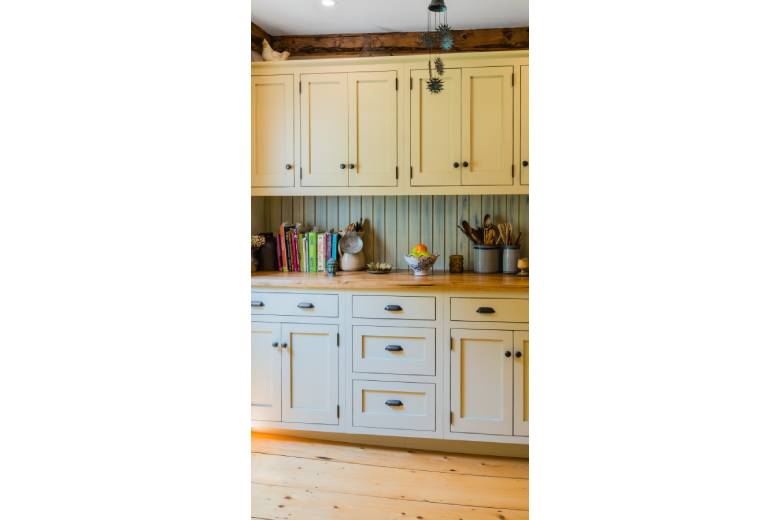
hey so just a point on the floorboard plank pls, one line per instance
(390, 457)
(283, 503)
(393, 483)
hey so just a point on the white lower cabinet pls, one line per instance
(266, 372)
(401, 406)
(521, 382)
(295, 373)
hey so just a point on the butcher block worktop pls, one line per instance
(390, 281)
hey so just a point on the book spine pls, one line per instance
(283, 239)
(294, 247)
(327, 246)
(301, 252)
(334, 238)
(312, 252)
(320, 252)
(278, 253)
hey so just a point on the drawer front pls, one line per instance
(489, 309)
(394, 350)
(394, 307)
(400, 406)
(295, 304)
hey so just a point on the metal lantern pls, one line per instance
(437, 6)
(439, 34)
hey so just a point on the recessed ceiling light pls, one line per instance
(328, 3)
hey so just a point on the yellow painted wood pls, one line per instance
(373, 128)
(273, 122)
(324, 129)
(487, 125)
(455, 59)
(438, 462)
(435, 130)
(524, 129)
(391, 483)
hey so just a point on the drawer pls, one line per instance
(295, 304)
(394, 350)
(489, 309)
(400, 406)
(394, 307)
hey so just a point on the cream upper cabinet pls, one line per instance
(487, 126)
(524, 150)
(273, 118)
(266, 372)
(435, 131)
(521, 383)
(373, 128)
(324, 130)
(481, 366)
(310, 386)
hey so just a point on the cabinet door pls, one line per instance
(310, 387)
(521, 382)
(481, 381)
(524, 150)
(487, 126)
(324, 124)
(266, 372)
(272, 131)
(435, 131)
(373, 128)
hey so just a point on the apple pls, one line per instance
(420, 250)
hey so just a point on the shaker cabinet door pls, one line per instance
(373, 128)
(521, 383)
(266, 372)
(310, 387)
(273, 118)
(435, 131)
(487, 126)
(324, 129)
(481, 365)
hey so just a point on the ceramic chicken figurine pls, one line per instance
(271, 55)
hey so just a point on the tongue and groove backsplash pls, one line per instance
(396, 223)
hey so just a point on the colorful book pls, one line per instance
(283, 240)
(294, 247)
(301, 253)
(327, 246)
(312, 245)
(278, 253)
(320, 252)
(334, 238)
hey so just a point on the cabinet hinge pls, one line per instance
(396, 173)
(411, 83)
(396, 83)
(513, 171)
(411, 172)
(300, 87)
(452, 419)
(513, 79)
(301, 174)
(338, 411)
(338, 339)
(452, 343)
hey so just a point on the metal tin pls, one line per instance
(487, 259)
(509, 257)
(456, 263)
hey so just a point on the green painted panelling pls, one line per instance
(396, 223)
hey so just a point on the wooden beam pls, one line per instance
(390, 44)
(258, 34)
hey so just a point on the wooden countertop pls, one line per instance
(394, 280)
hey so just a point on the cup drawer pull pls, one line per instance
(256, 303)
(486, 310)
(305, 305)
(393, 307)
(393, 402)
(394, 348)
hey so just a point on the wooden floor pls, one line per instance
(305, 479)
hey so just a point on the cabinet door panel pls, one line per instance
(521, 383)
(324, 130)
(310, 388)
(435, 131)
(524, 150)
(266, 372)
(481, 381)
(373, 128)
(487, 126)
(273, 131)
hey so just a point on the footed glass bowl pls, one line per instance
(421, 265)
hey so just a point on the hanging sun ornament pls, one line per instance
(439, 34)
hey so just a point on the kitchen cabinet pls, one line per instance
(266, 372)
(273, 121)
(521, 383)
(310, 386)
(481, 379)
(524, 148)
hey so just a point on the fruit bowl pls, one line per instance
(421, 265)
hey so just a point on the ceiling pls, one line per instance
(280, 17)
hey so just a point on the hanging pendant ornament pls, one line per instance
(439, 34)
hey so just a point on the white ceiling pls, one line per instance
(280, 17)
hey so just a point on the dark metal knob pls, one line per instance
(256, 303)
(393, 402)
(525, 163)
(393, 307)
(486, 310)
(518, 354)
(342, 166)
(288, 166)
(507, 354)
(305, 305)
(275, 344)
(456, 165)
(394, 348)
(351, 166)
(465, 164)
(284, 345)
